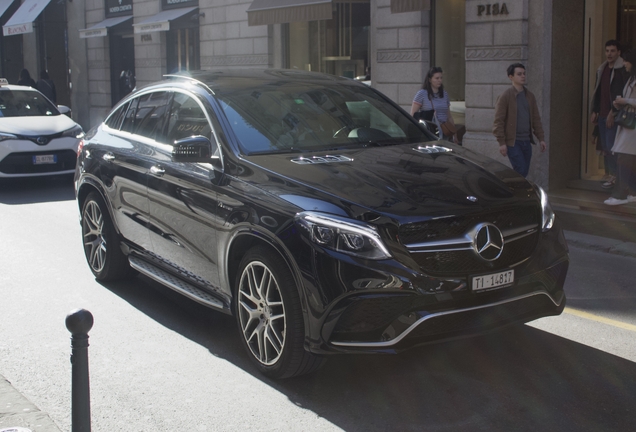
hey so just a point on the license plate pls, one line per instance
(44, 159)
(493, 280)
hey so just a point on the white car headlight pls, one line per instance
(75, 132)
(547, 214)
(343, 235)
(7, 136)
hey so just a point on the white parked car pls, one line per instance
(36, 138)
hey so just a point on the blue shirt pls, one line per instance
(440, 105)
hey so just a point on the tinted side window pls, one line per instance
(129, 118)
(151, 113)
(115, 119)
(186, 119)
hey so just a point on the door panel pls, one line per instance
(182, 200)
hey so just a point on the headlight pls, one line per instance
(547, 214)
(343, 235)
(7, 136)
(75, 132)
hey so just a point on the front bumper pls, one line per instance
(421, 311)
(16, 157)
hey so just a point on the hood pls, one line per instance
(400, 181)
(36, 125)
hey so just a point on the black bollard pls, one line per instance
(79, 322)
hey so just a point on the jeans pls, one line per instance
(520, 155)
(608, 136)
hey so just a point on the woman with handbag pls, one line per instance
(625, 144)
(432, 103)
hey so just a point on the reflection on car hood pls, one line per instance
(398, 180)
(36, 125)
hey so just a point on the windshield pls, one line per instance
(295, 117)
(25, 103)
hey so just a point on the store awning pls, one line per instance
(101, 29)
(161, 21)
(263, 12)
(22, 20)
(4, 5)
(399, 6)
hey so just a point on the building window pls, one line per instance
(339, 46)
(183, 49)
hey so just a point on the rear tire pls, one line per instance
(101, 242)
(269, 314)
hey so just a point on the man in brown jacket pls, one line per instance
(516, 119)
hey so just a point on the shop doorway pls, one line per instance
(122, 66)
(52, 51)
(604, 20)
(11, 46)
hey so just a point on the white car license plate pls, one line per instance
(44, 159)
(493, 280)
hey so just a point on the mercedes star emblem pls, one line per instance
(488, 242)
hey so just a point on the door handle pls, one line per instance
(157, 170)
(108, 157)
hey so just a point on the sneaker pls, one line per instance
(614, 201)
(609, 184)
(631, 198)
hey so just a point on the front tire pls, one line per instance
(268, 311)
(101, 242)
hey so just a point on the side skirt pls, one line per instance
(163, 277)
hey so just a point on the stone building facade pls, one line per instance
(114, 45)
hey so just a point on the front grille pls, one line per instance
(456, 226)
(465, 262)
(480, 320)
(22, 163)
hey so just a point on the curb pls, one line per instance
(602, 244)
(18, 413)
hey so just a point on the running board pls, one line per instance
(173, 282)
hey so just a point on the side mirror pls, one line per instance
(63, 109)
(194, 149)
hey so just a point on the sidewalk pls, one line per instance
(603, 244)
(17, 412)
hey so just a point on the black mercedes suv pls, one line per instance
(317, 212)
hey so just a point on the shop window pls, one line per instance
(339, 46)
(627, 23)
(183, 49)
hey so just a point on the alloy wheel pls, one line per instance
(93, 233)
(262, 313)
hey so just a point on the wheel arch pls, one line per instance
(85, 188)
(247, 238)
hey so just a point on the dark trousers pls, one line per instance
(520, 155)
(626, 178)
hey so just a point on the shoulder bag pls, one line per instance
(626, 117)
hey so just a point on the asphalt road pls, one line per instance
(159, 362)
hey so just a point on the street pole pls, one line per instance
(79, 322)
